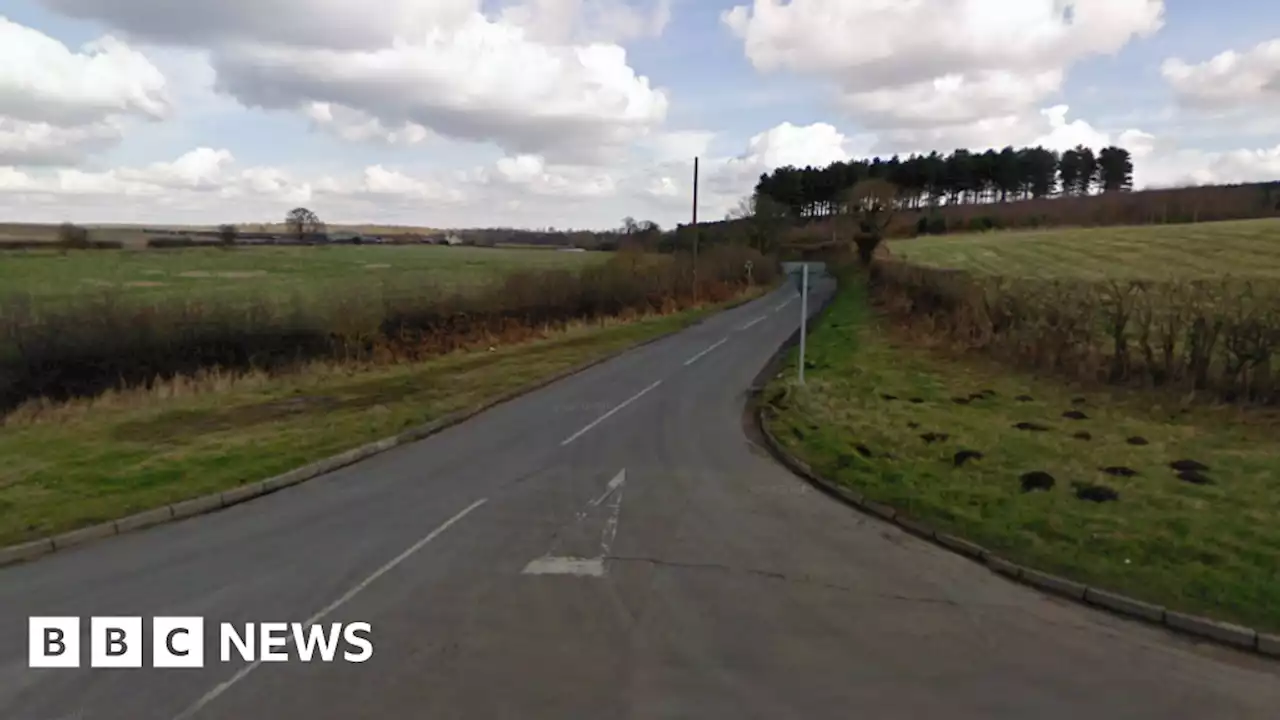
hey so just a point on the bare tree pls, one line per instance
(227, 234)
(72, 236)
(868, 208)
(302, 223)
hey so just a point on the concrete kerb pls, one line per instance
(1201, 628)
(27, 551)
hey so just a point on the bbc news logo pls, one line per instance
(178, 642)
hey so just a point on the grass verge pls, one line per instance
(1212, 549)
(84, 462)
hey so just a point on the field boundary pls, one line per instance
(213, 502)
(1202, 628)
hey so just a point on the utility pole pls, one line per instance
(695, 229)
(804, 316)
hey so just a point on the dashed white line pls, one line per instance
(700, 355)
(609, 414)
(244, 672)
(752, 324)
(788, 302)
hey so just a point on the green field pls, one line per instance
(1204, 548)
(1247, 248)
(258, 271)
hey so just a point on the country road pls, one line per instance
(611, 546)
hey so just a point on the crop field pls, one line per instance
(214, 273)
(1245, 249)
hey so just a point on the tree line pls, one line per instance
(963, 177)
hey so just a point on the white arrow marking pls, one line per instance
(586, 567)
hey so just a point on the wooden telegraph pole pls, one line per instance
(695, 229)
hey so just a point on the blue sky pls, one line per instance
(527, 112)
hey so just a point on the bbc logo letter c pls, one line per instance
(177, 642)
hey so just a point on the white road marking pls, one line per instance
(788, 302)
(617, 482)
(752, 324)
(582, 567)
(586, 567)
(609, 414)
(244, 672)
(700, 355)
(610, 527)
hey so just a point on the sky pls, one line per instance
(578, 113)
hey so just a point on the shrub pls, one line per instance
(1221, 338)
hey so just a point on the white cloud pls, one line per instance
(915, 62)
(208, 185)
(42, 80)
(1172, 166)
(678, 145)
(1228, 80)
(399, 66)
(569, 21)
(724, 181)
(1049, 127)
(41, 143)
(58, 105)
(357, 126)
(531, 174)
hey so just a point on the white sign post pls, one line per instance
(804, 315)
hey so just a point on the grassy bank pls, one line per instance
(1244, 248)
(1206, 548)
(75, 464)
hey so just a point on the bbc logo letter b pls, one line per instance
(53, 642)
(115, 642)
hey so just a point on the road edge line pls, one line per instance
(213, 502)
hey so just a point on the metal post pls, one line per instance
(804, 316)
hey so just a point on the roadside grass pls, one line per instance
(75, 464)
(215, 274)
(1209, 549)
(1243, 248)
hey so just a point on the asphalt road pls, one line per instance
(612, 546)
